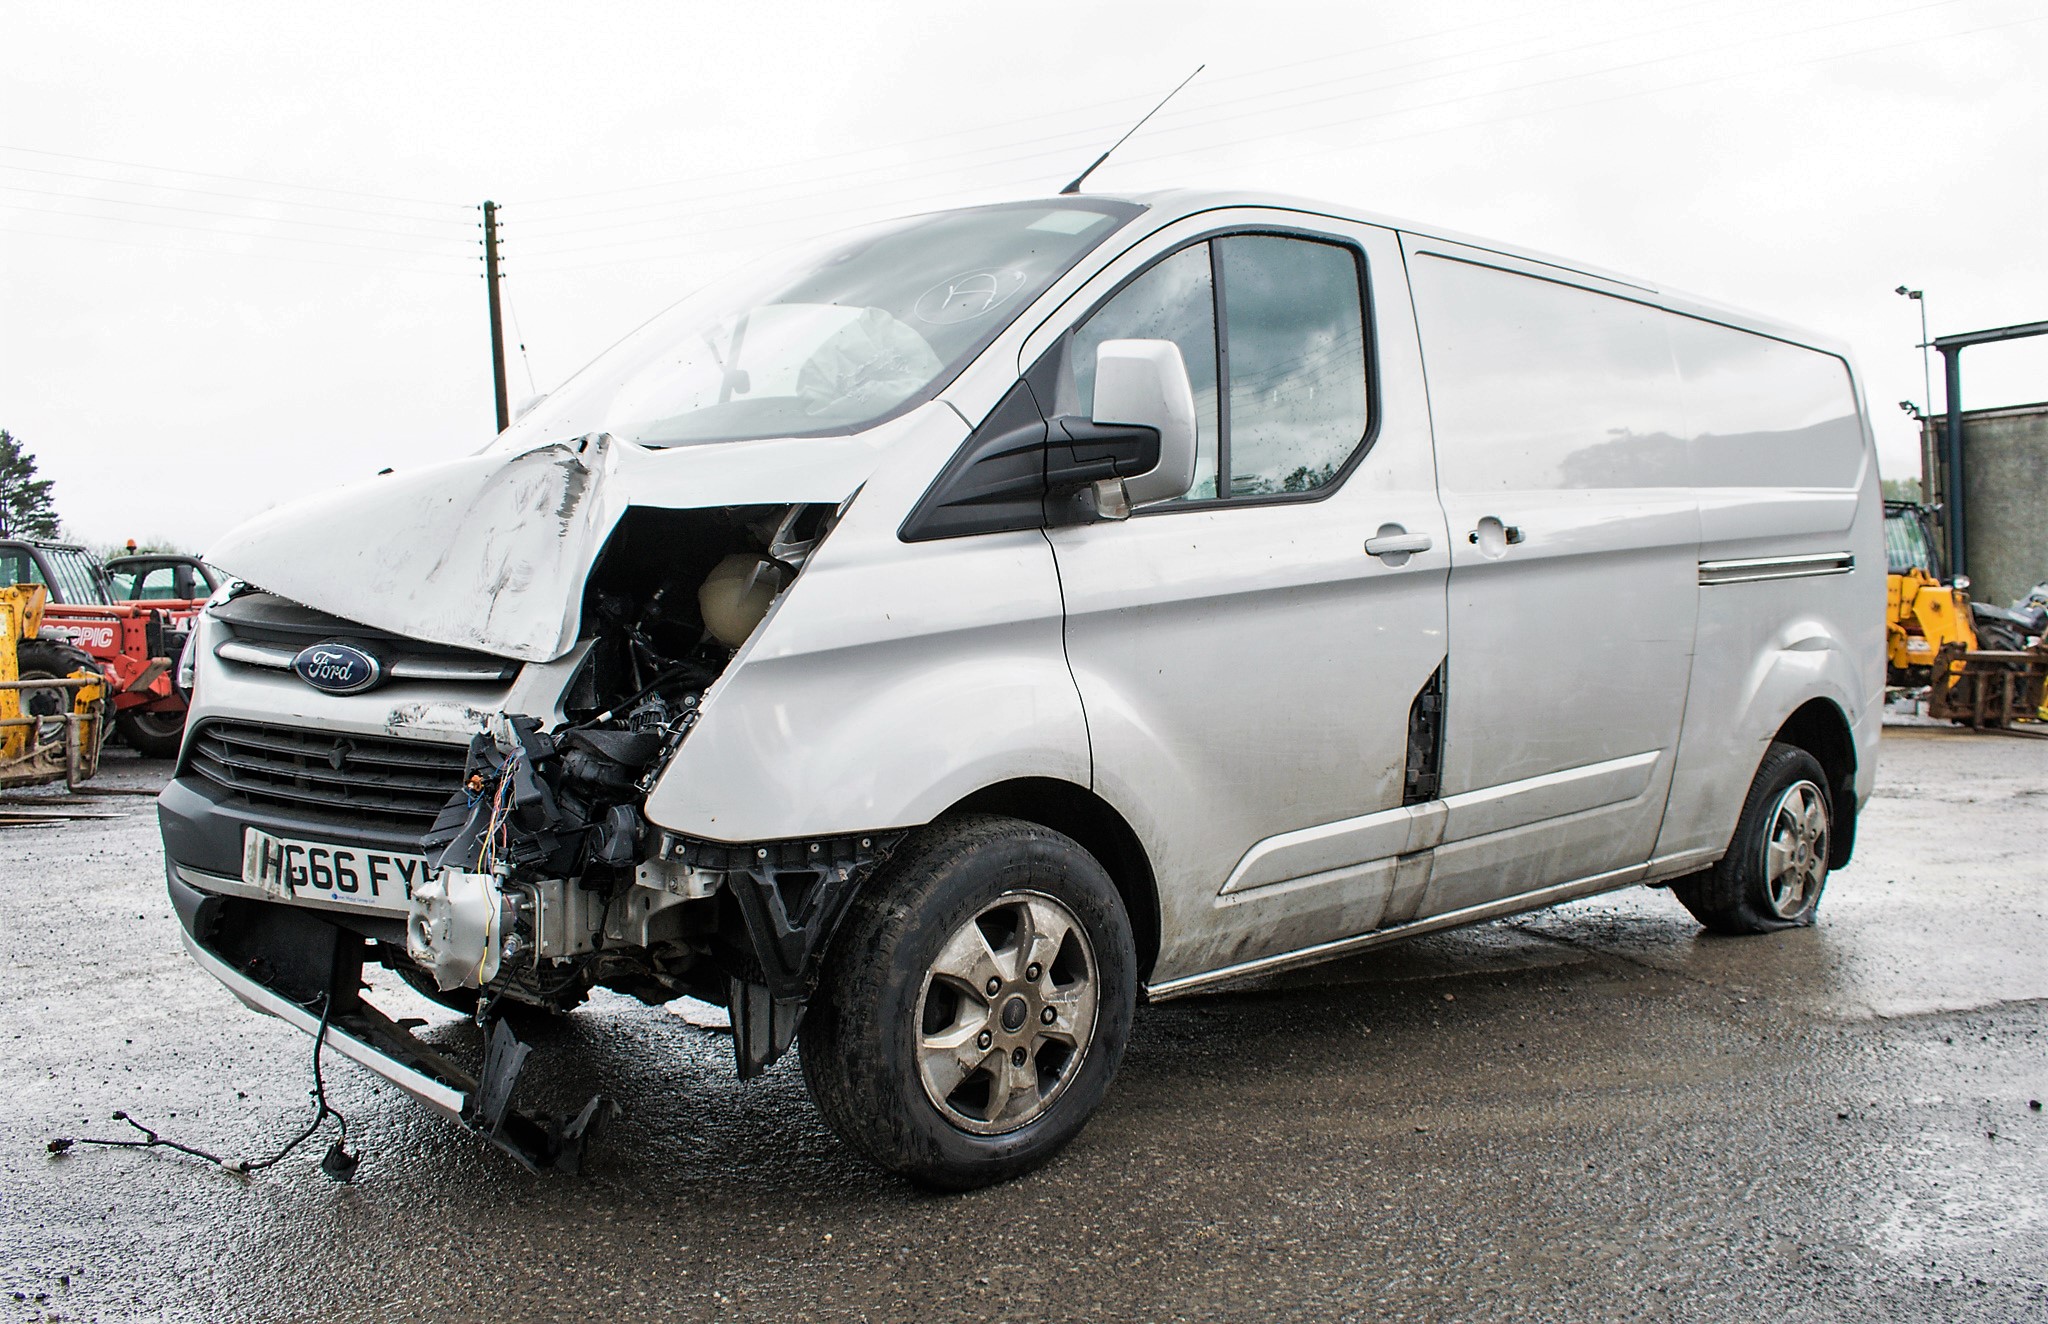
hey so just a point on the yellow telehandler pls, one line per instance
(53, 701)
(1987, 678)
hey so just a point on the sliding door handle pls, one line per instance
(1392, 540)
(1492, 535)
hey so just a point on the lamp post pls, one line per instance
(1926, 400)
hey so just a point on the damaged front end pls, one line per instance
(548, 882)
(539, 879)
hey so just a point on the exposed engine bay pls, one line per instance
(547, 880)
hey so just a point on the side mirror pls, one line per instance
(1144, 383)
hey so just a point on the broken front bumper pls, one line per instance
(290, 962)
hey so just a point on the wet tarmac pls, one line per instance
(1592, 1113)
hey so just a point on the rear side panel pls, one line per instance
(1792, 568)
(1574, 532)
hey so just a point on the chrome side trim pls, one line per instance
(254, 655)
(420, 668)
(1751, 569)
(1550, 795)
(1377, 838)
(1612, 880)
(258, 998)
(1339, 846)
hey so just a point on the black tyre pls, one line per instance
(454, 999)
(50, 659)
(152, 735)
(974, 1005)
(1777, 865)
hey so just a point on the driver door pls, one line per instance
(1246, 663)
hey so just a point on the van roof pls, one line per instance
(1188, 202)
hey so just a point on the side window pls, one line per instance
(159, 583)
(17, 568)
(1174, 300)
(1294, 354)
(1291, 358)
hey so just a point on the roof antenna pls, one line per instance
(1075, 187)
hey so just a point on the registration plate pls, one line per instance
(317, 871)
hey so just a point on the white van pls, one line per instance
(931, 644)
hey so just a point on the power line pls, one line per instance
(239, 179)
(1118, 102)
(1918, 40)
(229, 215)
(1170, 124)
(519, 337)
(228, 234)
(1182, 123)
(294, 258)
(1563, 78)
(1072, 139)
(1158, 156)
(223, 193)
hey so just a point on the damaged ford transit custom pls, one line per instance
(931, 643)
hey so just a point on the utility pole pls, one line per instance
(491, 279)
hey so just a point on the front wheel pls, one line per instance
(1776, 866)
(974, 1004)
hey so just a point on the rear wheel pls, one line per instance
(974, 1005)
(153, 735)
(1777, 865)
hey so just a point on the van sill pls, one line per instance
(1611, 881)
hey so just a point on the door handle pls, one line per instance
(1510, 533)
(1396, 543)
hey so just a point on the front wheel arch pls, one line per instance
(1093, 823)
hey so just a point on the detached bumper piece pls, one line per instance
(790, 896)
(283, 961)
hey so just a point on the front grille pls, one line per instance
(368, 780)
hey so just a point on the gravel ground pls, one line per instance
(1590, 1113)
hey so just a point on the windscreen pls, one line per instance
(1906, 545)
(834, 339)
(77, 580)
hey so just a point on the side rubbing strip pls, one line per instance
(1776, 567)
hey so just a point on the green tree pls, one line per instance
(26, 508)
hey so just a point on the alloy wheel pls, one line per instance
(1007, 1013)
(1796, 848)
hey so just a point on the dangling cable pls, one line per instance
(338, 1163)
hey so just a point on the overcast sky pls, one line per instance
(238, 244)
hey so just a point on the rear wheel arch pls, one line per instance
(1077, 812)
(1820, 728)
